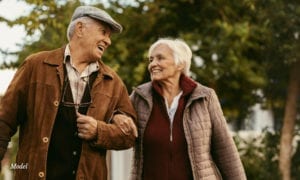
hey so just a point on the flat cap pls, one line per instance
(97, 14)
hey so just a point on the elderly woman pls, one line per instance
(182, 131)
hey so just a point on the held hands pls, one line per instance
(125, 123)
(87, 126)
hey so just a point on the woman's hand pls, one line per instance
(125, 123)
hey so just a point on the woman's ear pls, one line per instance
(180, 67)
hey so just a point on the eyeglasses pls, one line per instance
(76, 105)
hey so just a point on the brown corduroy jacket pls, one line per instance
(31, 102)
(211, 149)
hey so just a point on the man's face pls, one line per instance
(95, 39)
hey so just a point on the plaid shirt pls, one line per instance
(78, 81)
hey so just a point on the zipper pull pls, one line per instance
(171, 131)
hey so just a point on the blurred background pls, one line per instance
(247, 50)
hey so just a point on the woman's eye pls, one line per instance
(160, 58)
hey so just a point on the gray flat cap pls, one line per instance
(97, 14)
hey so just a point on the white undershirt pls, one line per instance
(171, 112)
(174, 105)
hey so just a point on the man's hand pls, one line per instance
(125, 123)
(87, 126)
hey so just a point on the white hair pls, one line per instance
(71, 27)
(182, 53)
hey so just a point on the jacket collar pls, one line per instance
(186, 84)
(145, 91)
(56, 59)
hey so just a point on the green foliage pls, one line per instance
(212, 29)
(280, 49)
(46, 20)
(295, 168)
(243, 50)
(236, 42)
(259, 154)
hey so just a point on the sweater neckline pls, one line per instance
(186, 84)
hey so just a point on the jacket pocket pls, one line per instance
(102, 107)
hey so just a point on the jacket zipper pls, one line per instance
(171, 131)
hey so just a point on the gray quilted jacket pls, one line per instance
(212, 152)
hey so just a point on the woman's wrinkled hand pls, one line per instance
(125, 123)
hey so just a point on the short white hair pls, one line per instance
(71, 27)
(182, 53)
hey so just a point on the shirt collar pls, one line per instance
(94, 66)
(67, 54)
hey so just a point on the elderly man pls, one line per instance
(64, 102)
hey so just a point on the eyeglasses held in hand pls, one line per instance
(76, 105)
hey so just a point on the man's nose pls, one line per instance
(107, 40)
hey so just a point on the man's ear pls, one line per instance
(79, 29)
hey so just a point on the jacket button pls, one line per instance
(74, 153)
(75, 134)
(41, 174)
(45, 139)
(56, 103)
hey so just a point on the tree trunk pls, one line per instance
(289, 121)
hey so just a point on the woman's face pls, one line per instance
(162, 65)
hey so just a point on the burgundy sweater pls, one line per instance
(163, 158)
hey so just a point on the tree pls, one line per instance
(289, 121)
(47, 21)
(213, 29)
(245, 51)
(282, 21)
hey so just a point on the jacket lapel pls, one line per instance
(56, 59)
